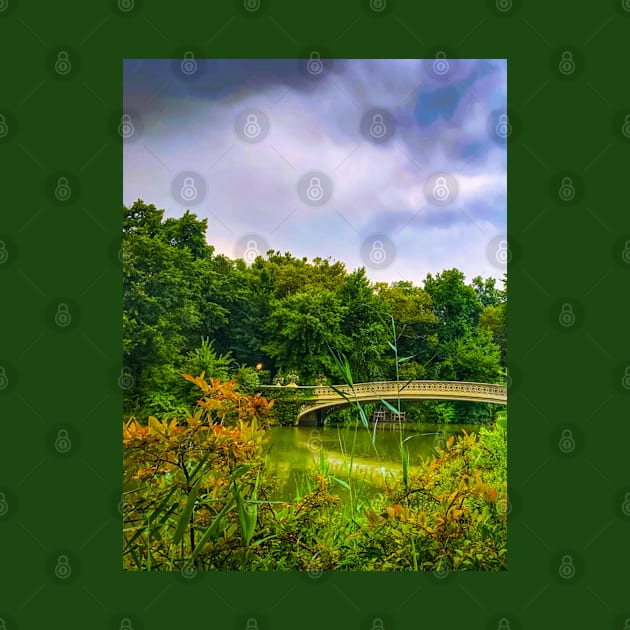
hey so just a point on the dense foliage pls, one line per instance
(187, 309)
(196, 498)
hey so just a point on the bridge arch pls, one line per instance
(325, 397)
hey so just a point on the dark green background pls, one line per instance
(563, 252)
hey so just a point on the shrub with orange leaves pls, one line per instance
(181, 474)
(452, 513)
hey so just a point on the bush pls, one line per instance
(196, 495)
(184, 482)
(452, 514)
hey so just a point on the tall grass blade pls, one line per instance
(184, 518)
(404, 458)
(403, 359)
(212, 528)
(391, 407)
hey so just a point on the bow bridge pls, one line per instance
(323, 398)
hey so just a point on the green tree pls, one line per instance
(416, 326)
(168, 286)
(454, 303)
(473, 357)
(301, 328)
(493, 320)
(487, 292)
(363, 326)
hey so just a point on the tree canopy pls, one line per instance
(188, 309)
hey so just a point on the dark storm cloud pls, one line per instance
(316, 124)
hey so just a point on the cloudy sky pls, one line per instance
(398, 166)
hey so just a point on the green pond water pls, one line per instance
(293, 451)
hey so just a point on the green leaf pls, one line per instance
(390, 407)
(239, 471)
(212, 528)
(345, 484)
(347, 371)
(404, 457)
(342, 394)
(403, 359)
(184, 519)
(405, 385)
(262, 540)
(198, 467)
(144, 529)
(364, 419)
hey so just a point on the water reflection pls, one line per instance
(293, 451)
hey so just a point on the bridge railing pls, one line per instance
(323, 393)
(391, 387)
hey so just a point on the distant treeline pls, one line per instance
(187, 309)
